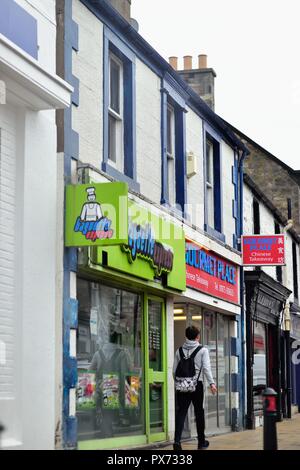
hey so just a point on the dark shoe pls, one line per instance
(203, 445)
(177, 446)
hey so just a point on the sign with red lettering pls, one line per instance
(263, 250)
(211, 274)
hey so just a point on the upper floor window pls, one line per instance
(171, 155)
(119, 140)
(213, 196)
(115, 111)
(279, 276)
(173, 149)
(210, 184)
(256, 217)
(295, 271)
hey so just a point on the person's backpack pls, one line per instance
(185, 377)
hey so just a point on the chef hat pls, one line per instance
(91, 191)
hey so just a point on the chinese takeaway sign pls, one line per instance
(263, 250)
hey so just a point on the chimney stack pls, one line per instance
(202, 61)
(173, 61)
(123, 7)
(202, 79)
(188, 62)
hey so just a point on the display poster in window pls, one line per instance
(86, 390)
(96, 214)
(110, 391)
(132, 391)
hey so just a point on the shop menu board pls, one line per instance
(86, 390)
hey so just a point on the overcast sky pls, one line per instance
(254, 47)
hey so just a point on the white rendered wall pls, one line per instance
(148, 131)
(227, 162)
(195, 184)
(88, 68)
(33, 425)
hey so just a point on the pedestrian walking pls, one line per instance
(191, 365)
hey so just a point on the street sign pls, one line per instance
(263, 250)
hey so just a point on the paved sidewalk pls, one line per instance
(288, 432)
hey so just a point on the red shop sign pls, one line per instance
(207, 272)
(263, 250)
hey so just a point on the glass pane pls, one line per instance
(259, 366)
(224, 372)
(115, 71)
(112, 141)
(156, 408)
(170, 132)
(110, 379)
(171, 181)
(210, 338)
(155, 335)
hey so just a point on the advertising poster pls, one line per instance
(86, 390)
(132, 391)
(110, 390)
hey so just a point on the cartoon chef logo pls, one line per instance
(92, 223)
(91, 210)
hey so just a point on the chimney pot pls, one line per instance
(188, 62)
(173, 61)
(202, 61)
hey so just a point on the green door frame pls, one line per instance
(155, 376)
(149, 376)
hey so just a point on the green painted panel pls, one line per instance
(155, 248)
(96, 214)
(114, 443)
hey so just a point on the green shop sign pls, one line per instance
(96, 214)
(154, 249)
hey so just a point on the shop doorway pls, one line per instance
(122, 370)
(215, 335)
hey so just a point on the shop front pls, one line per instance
(265, 302)
(211, 303)
(295, 357)
(124, 294)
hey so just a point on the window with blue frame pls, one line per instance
(173, 150)
(213, 188)
(119, 159)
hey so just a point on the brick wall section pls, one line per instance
(275, 181)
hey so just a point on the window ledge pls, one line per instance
(214, 233)
(118, 176)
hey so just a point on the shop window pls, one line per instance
(259, 366)
(110, 364)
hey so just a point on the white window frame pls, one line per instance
(171, 128)
(118, 161)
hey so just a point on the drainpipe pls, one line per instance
(242, 298)
(287, 329)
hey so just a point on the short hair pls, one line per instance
(192, 332)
